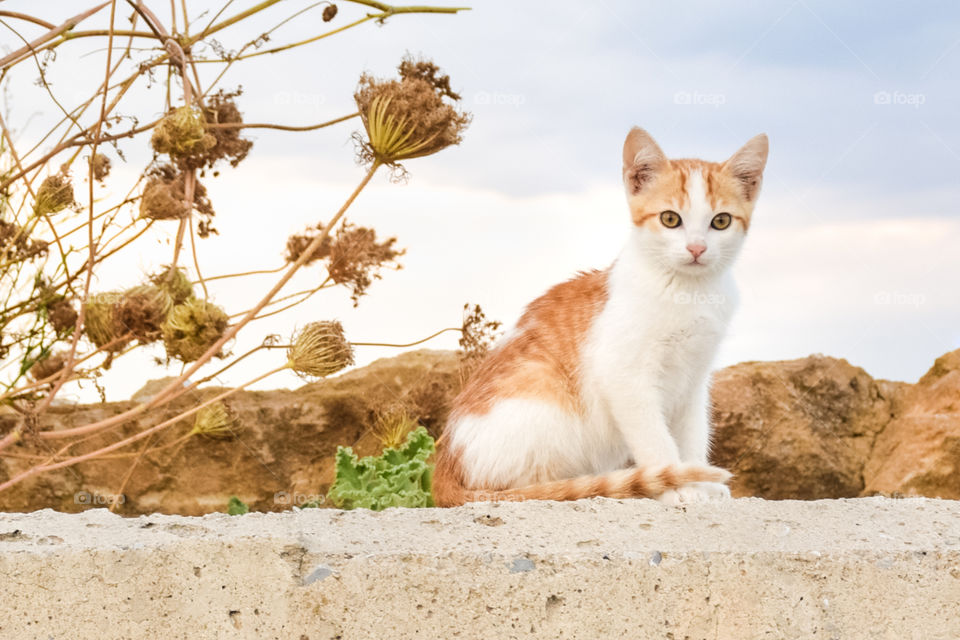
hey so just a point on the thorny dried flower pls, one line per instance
(192, 328)
(329, 12)
(163, 196)
(100, 164)
(407, 118)
(181, 134)
(320, 350)
(215, 421)
(175, 282)
(142, 310)
(55, 194)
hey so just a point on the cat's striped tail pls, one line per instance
(648, 482)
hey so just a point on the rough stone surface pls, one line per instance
(867, 568)
(282, 455)
(797, 429)
(918, 453)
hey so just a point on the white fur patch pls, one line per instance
(521, 441)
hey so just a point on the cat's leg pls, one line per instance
(691, 425)
(640, 418)
(692, 432)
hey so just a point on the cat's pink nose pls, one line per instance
(696, 250)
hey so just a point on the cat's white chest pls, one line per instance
(650, 334)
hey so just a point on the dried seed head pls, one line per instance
(298, 243)
(356, 258)
(99, 319)
(407, 118)
(477, 335)
(100, 165)
(192, 328)
(411, 68)
(142, 310)
(55, 194)
(221, 109)
(16, 244)
(62, 315)
(48, 366)
(215, 421)
(175, 282)
(181, 134)
(392, 426)
(329, 12)
(160, 201)
(163, 197)
(320, 350)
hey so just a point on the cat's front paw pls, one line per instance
(695, 492)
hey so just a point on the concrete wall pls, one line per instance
(743, 569)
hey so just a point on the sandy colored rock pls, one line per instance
(812, 428)
(873, 568)
(797, 429)
(282, 455)
(918, 453)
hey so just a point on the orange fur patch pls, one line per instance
(668, 192)
(541, 361)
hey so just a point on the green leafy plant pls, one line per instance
(237, 507)
(397, 478)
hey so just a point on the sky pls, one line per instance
(853, 248)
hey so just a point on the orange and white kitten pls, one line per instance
(602, 387)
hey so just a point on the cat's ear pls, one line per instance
(747, 164)
(641, 160)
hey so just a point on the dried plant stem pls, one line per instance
(68, 367)
(281, 127)
(196, 261)
(174, 389)
(30, 47)
(32, 471)
(244, 274)
(409, 344)
(130, 470)
(47, 380)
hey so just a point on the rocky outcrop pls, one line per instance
(918, 453)
(282, 455)
(812, 428)
(798, 429)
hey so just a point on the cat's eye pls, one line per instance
(670, 219)
(721, 221)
